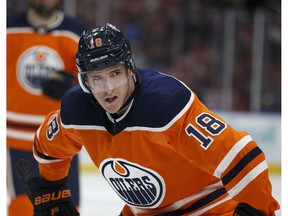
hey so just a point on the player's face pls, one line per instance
(111, 86)
(44, 7)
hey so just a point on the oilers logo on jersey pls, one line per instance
(135, 184)
(35, 66)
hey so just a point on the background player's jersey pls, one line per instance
(168, 152)
(32, 56)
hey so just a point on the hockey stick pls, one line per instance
(24, 171)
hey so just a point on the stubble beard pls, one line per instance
(43, 11)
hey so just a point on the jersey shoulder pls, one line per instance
(160, 99)
(17, 20)
(71, 24)
(78, 108)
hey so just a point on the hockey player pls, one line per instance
(159, 148)
(41, 45)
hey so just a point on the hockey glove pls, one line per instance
(243, 209)
(58, 84)
(48, 198)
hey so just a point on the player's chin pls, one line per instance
(111, 107)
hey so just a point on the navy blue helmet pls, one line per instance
(102, 47)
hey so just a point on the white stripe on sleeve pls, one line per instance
(231, 155)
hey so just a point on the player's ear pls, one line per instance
(130, 72)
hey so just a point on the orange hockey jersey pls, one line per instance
(167, 153)
(32, 54)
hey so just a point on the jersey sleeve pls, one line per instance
(54, 148)
(234, 157)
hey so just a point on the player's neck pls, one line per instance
(130, 97)
(37, 20)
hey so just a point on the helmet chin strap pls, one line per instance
(136, 80)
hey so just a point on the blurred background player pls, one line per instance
(41, 47)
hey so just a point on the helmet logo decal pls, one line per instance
(98, 59)
(136, 185)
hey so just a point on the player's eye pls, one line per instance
(115, 73)
(96, 78)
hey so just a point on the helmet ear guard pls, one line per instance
(82, 83)
(99, 48)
